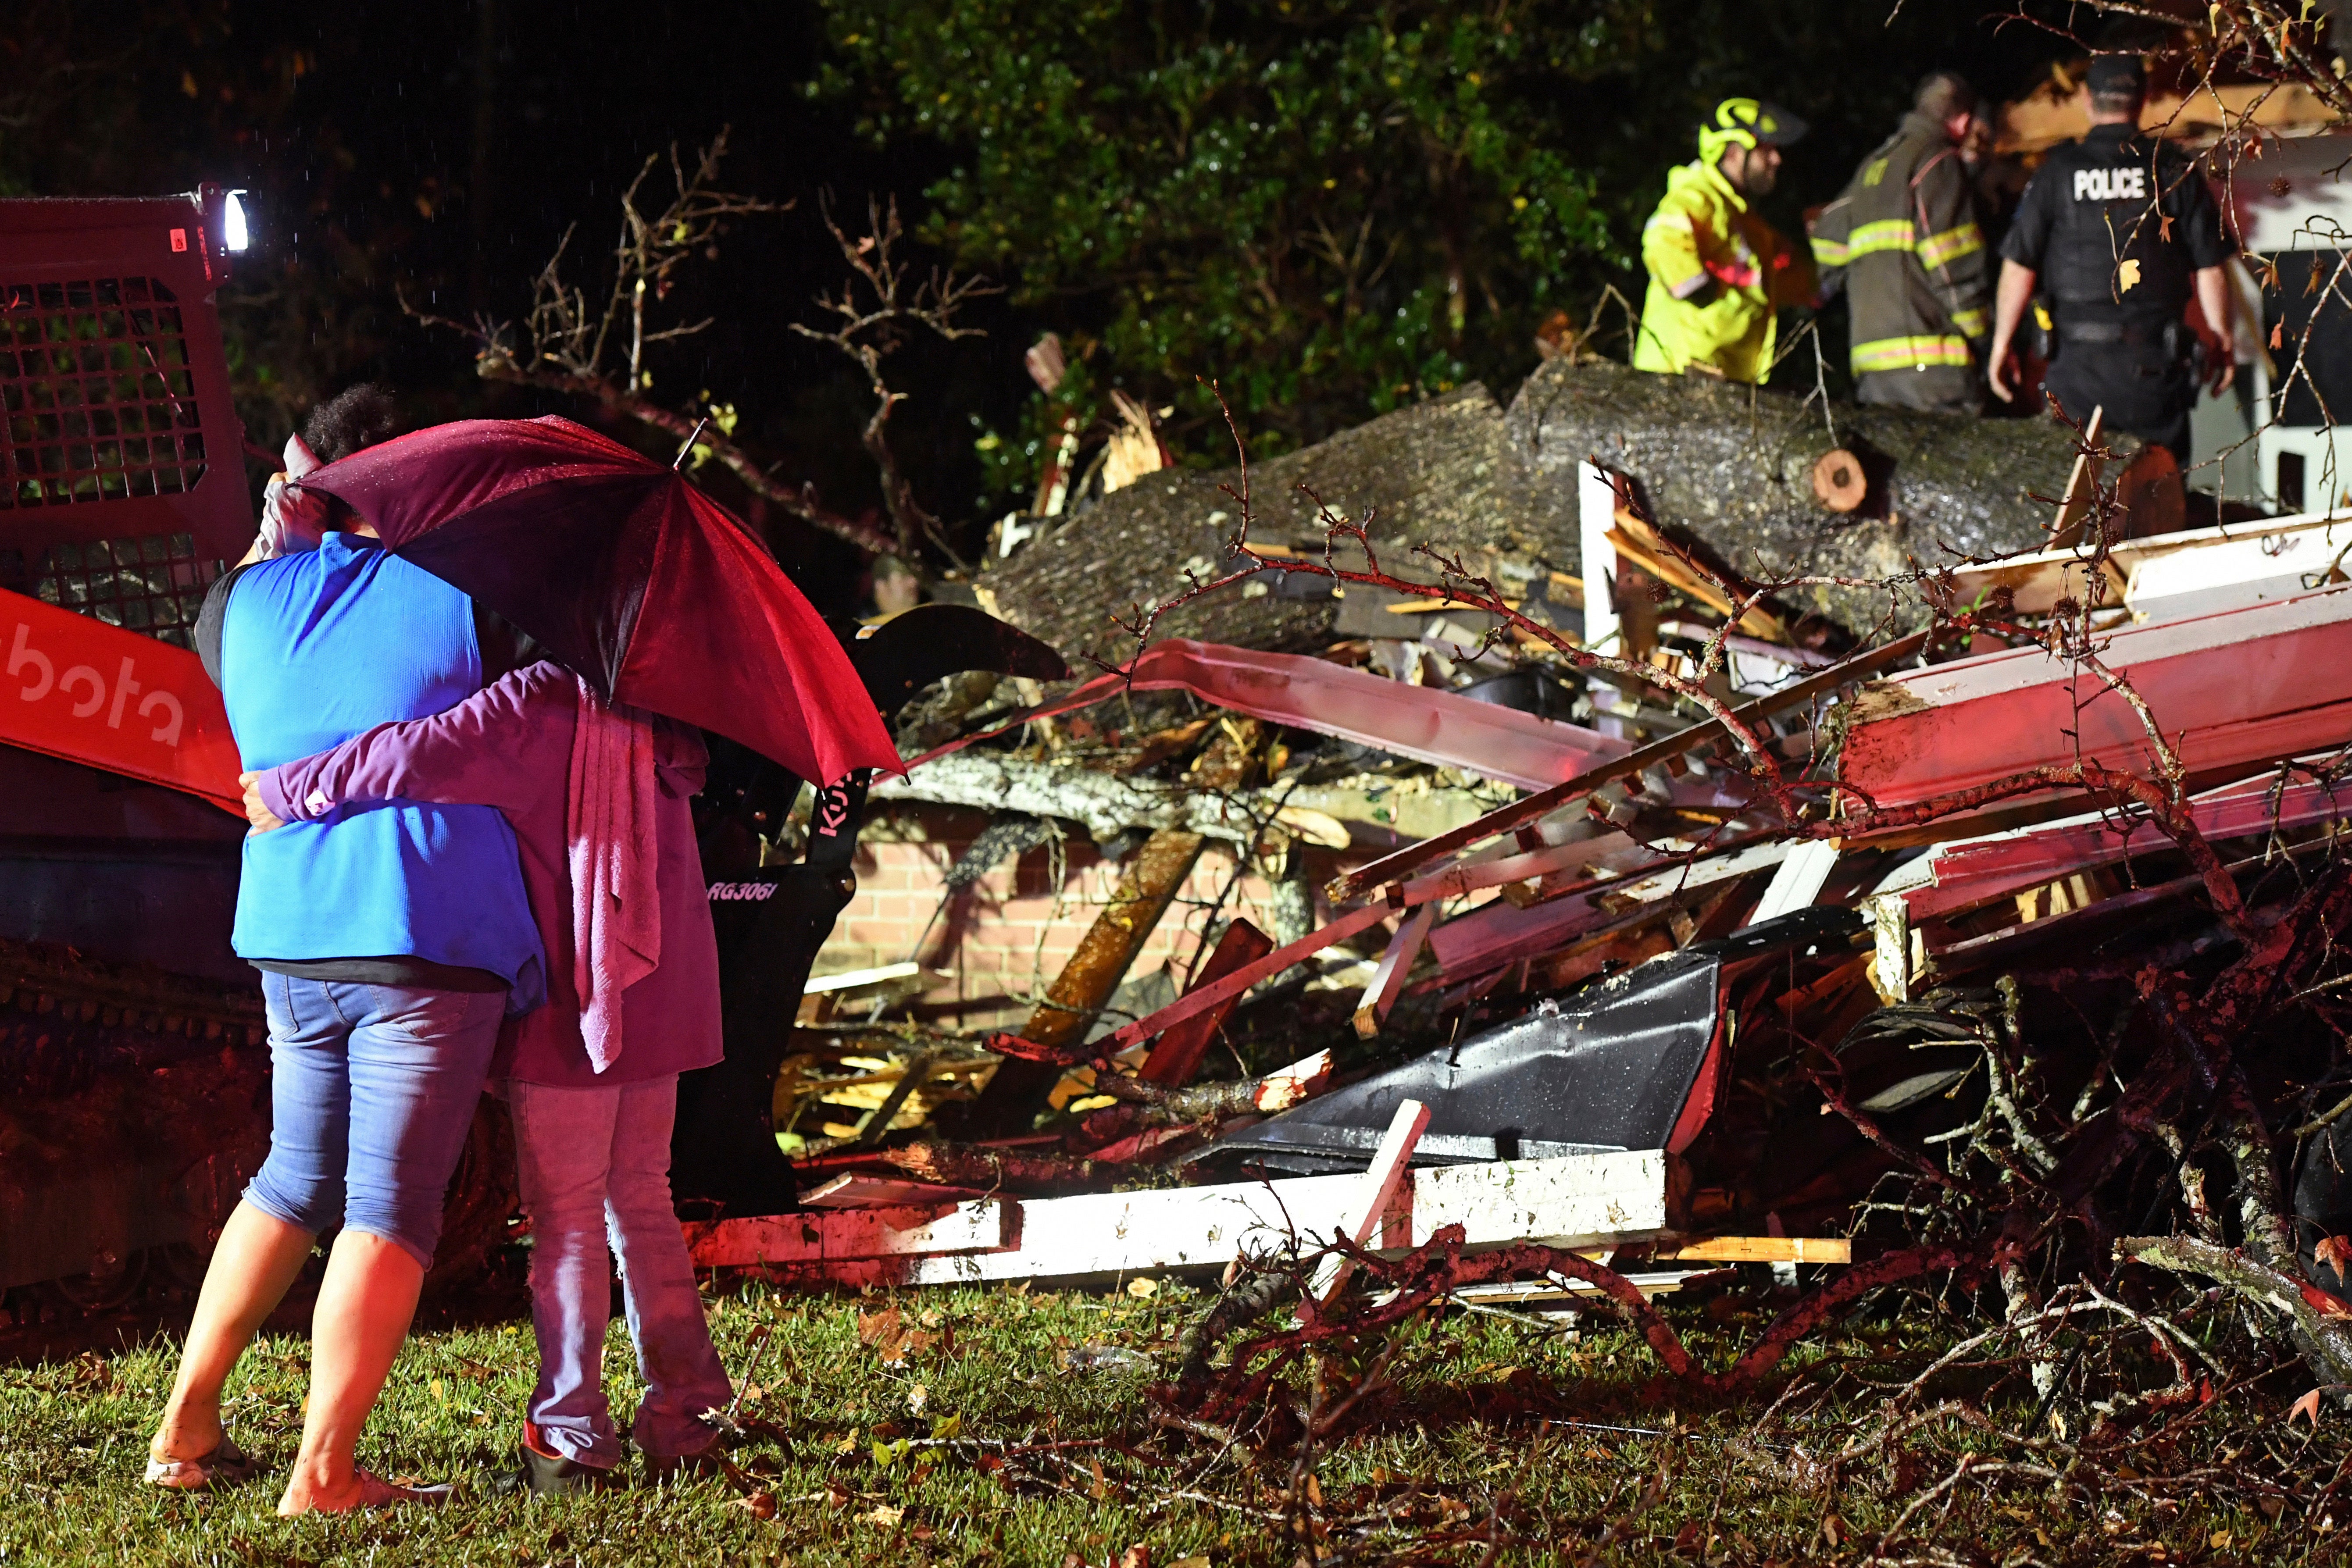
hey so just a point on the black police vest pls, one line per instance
(2105, 198)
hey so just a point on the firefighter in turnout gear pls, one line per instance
(1719, 273)
(1903, 242)
(2117, 230)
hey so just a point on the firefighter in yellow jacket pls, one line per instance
(1903, 242)
(1719, 273)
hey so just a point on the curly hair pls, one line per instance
(358, 416)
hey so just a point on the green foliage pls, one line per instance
(1334, 206)
(1331, 208)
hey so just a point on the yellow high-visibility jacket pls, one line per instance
(1718, 274)
(1903, 234)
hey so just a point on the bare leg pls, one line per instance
(250, 1271)
(364, 1308)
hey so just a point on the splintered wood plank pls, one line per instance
(1292, 1085)
(1388, 979)
(1150, 883)
(1580, 1200)
(1559, 1288)
(2082, 484)
(1119, 933)
(842, 1235)
(1756, 1249)
(1380, 1180)
(855, 1189)
(1177, 1054)
(1217, 993)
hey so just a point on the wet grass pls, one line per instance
(1562, 1439)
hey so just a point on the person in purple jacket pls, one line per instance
(597, 799)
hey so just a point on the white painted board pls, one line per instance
(2227, 574)
(1799, 881)
(1100, 1238)
(842, 1234)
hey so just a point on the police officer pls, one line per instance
(2116, 229)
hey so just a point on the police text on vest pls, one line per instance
(2111, 185)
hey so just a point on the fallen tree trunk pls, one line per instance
(1726, 466)
(1018, 1170)
(1730, 468)
(1103, 803)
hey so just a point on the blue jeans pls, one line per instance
(373, 1088)
(594, 1165)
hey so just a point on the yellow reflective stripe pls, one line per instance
(1886, 234)
(1829, 252)
(1904, 353)
(1971, 323)
(1943, 249)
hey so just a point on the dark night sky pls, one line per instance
(448, 146)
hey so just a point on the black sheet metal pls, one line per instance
(1608, 1068)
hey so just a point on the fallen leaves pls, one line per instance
(887, 1336)
(2336, 1252)
(2308, 1405)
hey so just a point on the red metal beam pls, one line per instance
(2234, 690)
(1657, 753)
(1967, 874)
(1418, 722)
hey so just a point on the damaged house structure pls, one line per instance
(1911, 742)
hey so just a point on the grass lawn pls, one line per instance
(853, 1458)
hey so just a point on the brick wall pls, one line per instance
(1001, 941)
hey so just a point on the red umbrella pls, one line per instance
(625, 572)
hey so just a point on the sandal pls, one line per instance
(377, 1492)
(225, 1466)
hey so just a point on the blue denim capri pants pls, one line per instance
(372, 1091)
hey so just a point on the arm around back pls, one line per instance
(507, 745)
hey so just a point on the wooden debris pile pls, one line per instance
(2003, 951)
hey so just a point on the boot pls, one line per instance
(547, 1473)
